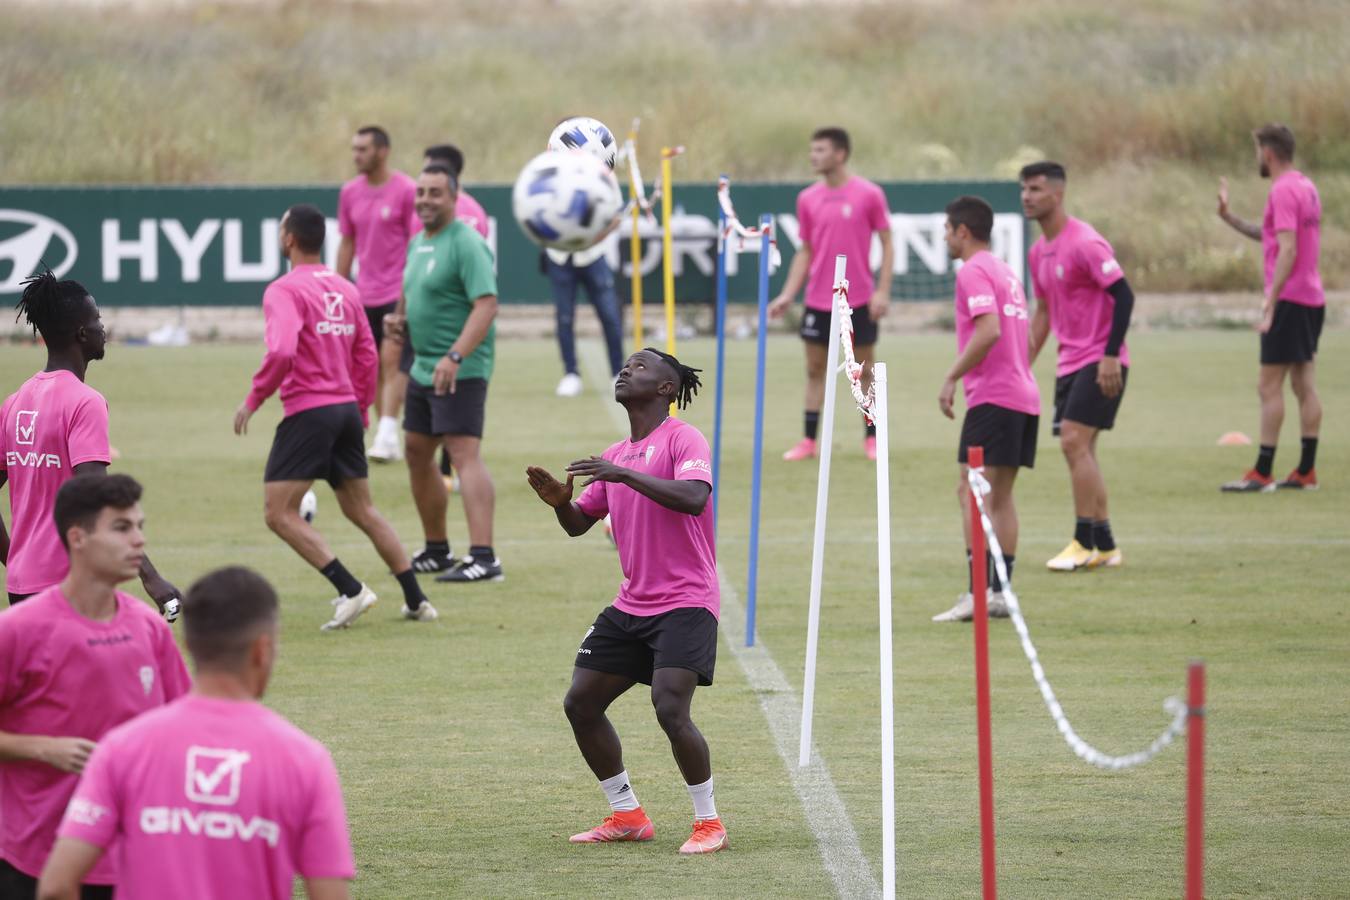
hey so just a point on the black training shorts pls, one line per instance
(1007, 436)
(326, 442)
(459, 414)
(1293, 334)
(375, 316)
(1079, 399)
(816, 326)
(634, 646)
(406, 356)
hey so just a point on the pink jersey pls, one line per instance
(669, 559)
(212, 798)
(986, 286)
(1072, 273)
(468, 211)
(320, 351)
(1293, 205)
(841, 220)
(380, 220)
(49, 426)
(62, 675)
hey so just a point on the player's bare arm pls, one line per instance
(792, 285)
(396, 322)
(1039, 330)
(65, 754)
(880, 302)
(559, 496)
(346, 253)
(982, 340)
(70, 861)
(4, 533)
(475, 331)
(1285, 257)
(1241, 226)
(327, 889)
(689, 497)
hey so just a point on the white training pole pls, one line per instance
(822, 501)
(884, 609)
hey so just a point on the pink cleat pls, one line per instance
(870, 447)
(709, 836)
(630, 825)
(803, 449)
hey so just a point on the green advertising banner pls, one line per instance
(138, 246)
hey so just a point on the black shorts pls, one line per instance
(375, 316)
(458, 414)
(16, 885)
(1007, 436)
(816, 327)
(1079, 399)
(1293, 334)
(326, 442)
(406, 356)
(17, 598)
(635, 646)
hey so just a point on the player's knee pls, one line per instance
(672, 711)
(277, 517)
(578, 708)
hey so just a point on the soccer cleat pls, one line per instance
(425, 612)
(1106, 559)
(427, 562)
(346, 609)
(1297, 481)
(870, 447)
(964, 610)
(469, 569)
(385, 451)
(1251, 483)
(630, 825)
(803, 449)
(709, 836)
(569, 386)
(997, 605)
(451, 482)
(1074, 556)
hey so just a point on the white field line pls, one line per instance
(825, 812)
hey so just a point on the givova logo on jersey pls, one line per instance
(335, 317)
(215, 778)
(25, 434)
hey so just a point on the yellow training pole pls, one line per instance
(667, 250)
(635, 244)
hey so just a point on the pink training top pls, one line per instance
(213, 798)
(468, 211)
(381, 220)
(63, 675)
(1293, 205)
(1072, 273)
(319, 347)
(49, 426)
(669, 559)
(841, 220)
(986, 286)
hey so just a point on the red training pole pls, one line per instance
(1195, 782)
(978, 586)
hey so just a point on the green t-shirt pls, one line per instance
(443, 276)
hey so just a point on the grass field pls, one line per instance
(460, 774)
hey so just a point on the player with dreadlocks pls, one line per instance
(54, 428)
(662, 627)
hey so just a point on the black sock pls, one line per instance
(1082, 532)
(1265, 460)
(869, 429)
(445, 463)
(412, 591)
(1307, 462)
(341, 579)
(812, 424)
(438, 548)
(482, 553)
(970, 574)
(994, 581)
(1102, 537)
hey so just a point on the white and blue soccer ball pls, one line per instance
(565, 199)
(309, 506)
(585, 134)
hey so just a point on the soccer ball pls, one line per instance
(564, 199)
(585, 133)
(309, 506)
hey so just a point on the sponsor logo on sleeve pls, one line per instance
(85, 812)
(696, 465)
(1110, 266)
(980, 301)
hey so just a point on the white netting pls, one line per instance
(851, 368)
(1173, 706)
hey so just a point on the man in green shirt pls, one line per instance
(447, 312)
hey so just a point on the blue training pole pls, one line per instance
(765, 242)
(721, 359)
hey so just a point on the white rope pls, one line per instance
(851, 368)
(1173, 706)
(637, 193)
(744, 232)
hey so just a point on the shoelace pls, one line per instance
(706, 828)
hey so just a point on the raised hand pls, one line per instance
(1223, 198)
(595, 468)
(550, 490)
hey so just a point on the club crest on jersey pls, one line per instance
(147, 674)
(1059, 271)
(384, 212)
(651, 448)
(25, 426)
(846, 211)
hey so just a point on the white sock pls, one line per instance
(702, 795)
(388, 429)
(620, 794)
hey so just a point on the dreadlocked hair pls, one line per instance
(688, 378)
(54, 308)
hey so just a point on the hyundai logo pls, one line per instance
(26, 250)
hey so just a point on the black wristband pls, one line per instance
(455, 357)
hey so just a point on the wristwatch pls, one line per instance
(455, 357)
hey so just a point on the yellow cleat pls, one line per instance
(1111, 559)
(1074, 556)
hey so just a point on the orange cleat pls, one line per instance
(1298, 481)
(709, 836)
(1251, 483)
(630, 825)
(803, 449)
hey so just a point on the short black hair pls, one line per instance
(686, 379)
(438, 169)
(1278, 138)
(836, 136)
(82, 498)
(55, 309)
(307, 225)
(225, 611)
(1051, 170)
(973, 212)
(377, 134)
(448, 154)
